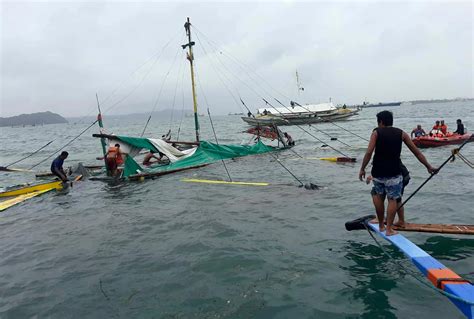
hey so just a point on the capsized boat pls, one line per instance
(435, 141)
(300, 115)
(181, 155)
(459, 290)
(198, 155)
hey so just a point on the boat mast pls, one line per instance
(190, 57)
(101, 125)
(298, 84)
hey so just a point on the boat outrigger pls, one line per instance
(181, 155)
(459, 290)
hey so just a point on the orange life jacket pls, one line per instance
(114, 152)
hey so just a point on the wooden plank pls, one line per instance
(438, 228)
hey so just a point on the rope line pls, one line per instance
(67, 144)
(20, 160)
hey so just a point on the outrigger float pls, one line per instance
(459, 290)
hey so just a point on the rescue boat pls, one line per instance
(435, 141)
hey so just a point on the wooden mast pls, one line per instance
(190, 57)
(102, 140)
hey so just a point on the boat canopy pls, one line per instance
(203, 154)
(308, 108)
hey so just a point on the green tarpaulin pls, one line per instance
(205, 154)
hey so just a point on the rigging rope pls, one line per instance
(161, 90)
(20, 160)
(67, 144)
(450, 158)
(462, 157)
(217, 142)
(416, 275)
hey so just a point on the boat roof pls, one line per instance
(308, 108)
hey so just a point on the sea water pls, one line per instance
(164, 248)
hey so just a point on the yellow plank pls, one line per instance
(10, 202)
(32, 188)
(207, 181)
(330, 159)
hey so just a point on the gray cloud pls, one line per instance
(56, 56)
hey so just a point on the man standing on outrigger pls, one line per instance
(386, 140)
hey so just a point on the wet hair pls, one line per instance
(442, 121)
(64, 154)
(117, 145)
(437, 122)
(458, 120)
(385, 117)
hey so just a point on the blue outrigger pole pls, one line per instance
(459, 290)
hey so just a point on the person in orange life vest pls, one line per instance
(443, 128)
(113, 159)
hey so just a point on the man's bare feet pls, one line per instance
(382, 228)
(390, 232)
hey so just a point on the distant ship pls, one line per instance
(367, 104)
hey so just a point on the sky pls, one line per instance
(57, 55)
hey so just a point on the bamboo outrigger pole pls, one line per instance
(190, 57)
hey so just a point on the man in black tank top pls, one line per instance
(387, 140)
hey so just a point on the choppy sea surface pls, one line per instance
(168, 249)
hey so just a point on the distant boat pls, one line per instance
(300, 114)
(380, 104)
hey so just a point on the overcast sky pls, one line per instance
(57, 55)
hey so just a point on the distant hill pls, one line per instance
(32, 119)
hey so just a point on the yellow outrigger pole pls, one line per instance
(190, 57)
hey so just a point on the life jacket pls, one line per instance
(113, 152)
(444, 129)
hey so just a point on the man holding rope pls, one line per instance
(386, 141)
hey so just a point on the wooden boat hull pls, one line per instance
(32, 188)
(298, 120)
(428, 141)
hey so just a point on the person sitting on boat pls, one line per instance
(460, 129)
(436, 130)
(418, 131)
(265, 112)
(289, 139)
(57, 166)
(443, 128)
(386, 141)
(113, 158)
(149, 156)
(249, 114)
